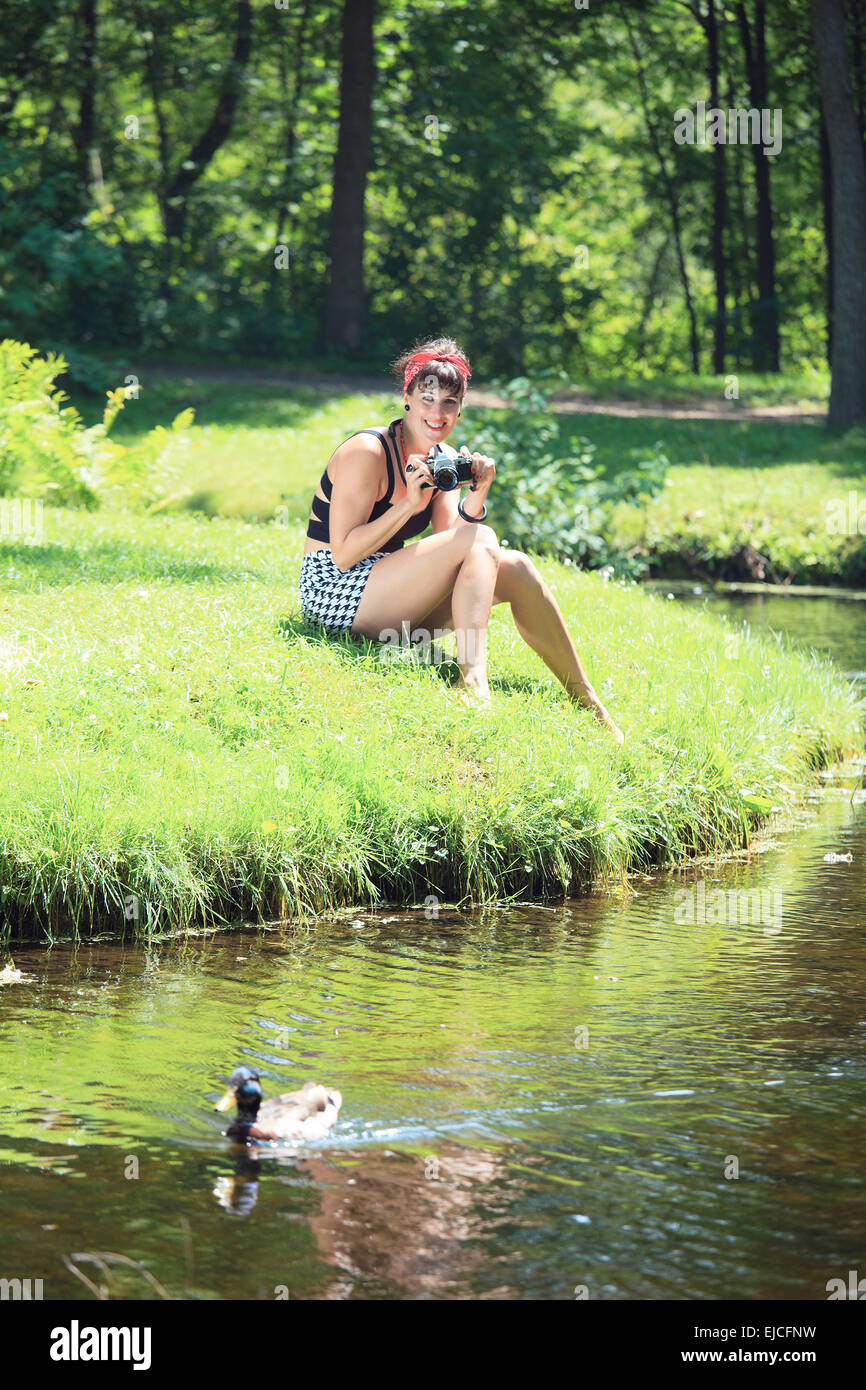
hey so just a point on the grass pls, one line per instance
(179, 748)
(258, 451)
(774, 487)
(808, 390)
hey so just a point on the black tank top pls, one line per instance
(318, 528)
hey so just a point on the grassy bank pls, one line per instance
(734, 486)
(176, 746)
(752, 501)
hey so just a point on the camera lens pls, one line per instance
(446, 478)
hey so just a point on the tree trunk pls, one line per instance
(767, 307)
(86, 75)
(673, 201)
(285, 218)
(217, 132)
(739, 257)
(848, 390)
(345, 309)
(155, 75)
(827, 207)
(649, 301)
(857, 16)
(719, 200)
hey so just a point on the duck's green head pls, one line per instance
(245, 1091)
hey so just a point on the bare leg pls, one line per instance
(402, 588)
(539, 621)
(471, 601)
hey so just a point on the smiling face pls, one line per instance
(432, 412)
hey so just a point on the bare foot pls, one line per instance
(473, 697)
(606, 722)
(587, 697)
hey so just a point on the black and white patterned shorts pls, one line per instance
(329, 595)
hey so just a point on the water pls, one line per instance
(833, 627)
(548, 1101)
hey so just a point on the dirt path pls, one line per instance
(696, 410)
(567, 402)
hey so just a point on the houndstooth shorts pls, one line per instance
(329, 595)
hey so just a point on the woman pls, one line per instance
(357, 575)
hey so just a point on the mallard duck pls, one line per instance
(305, 1114)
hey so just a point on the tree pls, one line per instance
(287, 210)
(848, 176)
(174, 189)
(85, 129)
(345, 309)
(672, 198)
(709, 22)
(720, 197)
(766, 313)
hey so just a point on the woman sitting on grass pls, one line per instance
(357, 575)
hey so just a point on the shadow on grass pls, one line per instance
(231, 502)
(745, 444)
(294, 628)
(352, 648)
(105, 562)
(289, 407)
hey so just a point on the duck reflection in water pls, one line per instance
(238, 1193)
(415, 1224)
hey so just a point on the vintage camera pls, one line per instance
(448, 473)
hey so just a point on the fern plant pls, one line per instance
(46, 452)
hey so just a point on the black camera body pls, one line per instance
(448, 473)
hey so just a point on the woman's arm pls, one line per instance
(356, 481)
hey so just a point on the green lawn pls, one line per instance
(809, 391)
(172, 734)
(771, 486)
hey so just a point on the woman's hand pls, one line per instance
(483, 469)
(418, 480)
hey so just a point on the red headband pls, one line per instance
(421, 359)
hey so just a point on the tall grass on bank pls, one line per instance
(178, 748)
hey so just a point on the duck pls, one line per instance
(305, 1114)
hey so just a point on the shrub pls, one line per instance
(553, 505)
(45, 451)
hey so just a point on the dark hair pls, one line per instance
(445, 372)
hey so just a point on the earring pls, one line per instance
(406, 406)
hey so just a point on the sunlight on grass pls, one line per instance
(177, 744)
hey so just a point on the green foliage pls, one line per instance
(45, 451)
(555, 505)
(505, 136)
